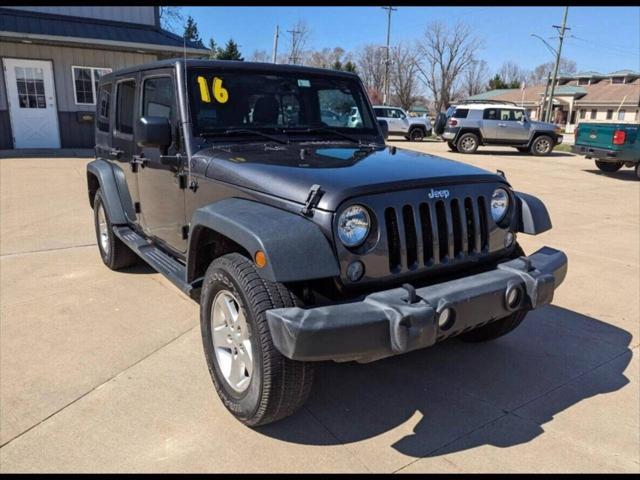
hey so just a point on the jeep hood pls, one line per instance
(341, 172)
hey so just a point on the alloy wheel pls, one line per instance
(231, 341)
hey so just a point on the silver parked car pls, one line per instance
(468, 125)
(400, 123)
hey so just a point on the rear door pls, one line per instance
(490, 121)
(122, 139)
(159, 178)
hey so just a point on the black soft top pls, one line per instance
(228, 65)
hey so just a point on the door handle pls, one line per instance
(114, 153)
(137, 160)
(502, 124)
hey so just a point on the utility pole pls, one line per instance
(555, 68)
(292, 57)
(275, 44)
(543, 110)
(385, 95)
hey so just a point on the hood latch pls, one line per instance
(313, 198)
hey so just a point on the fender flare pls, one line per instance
(295, 247)
(107, 179)
(533, 215)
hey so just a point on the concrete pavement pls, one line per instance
(103, 371)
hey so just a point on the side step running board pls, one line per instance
(160, 261)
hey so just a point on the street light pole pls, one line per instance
(555, 68)
(385, 95)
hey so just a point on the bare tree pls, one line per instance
(370, 62)
(512, 74)
(475, 78)
(403, 75)
(445, 53)
(171, 18)
(539, 74)
(260, 56)
(326, 57)
(298, 37)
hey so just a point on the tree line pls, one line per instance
(440, 67)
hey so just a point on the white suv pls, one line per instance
(411, 128)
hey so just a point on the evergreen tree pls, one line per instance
(191, 31)
(349, 66)
(214, 50)
(497, 82)
(230, 52)
(337, 65)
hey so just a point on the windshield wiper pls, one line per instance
(231, 131)
(324, 129)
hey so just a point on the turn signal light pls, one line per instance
(619, 137)
(260, 258)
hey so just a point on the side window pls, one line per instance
(103, 107)
(517, 115)
(461, 113)
(400, 114)
(158, 97)
(491, 114)
(124, 106)
(379, 112)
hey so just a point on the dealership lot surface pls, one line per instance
(104, 371)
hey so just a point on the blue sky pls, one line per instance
(607, 38)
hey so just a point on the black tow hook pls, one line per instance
(412, 297)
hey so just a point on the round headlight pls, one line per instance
(499, 204)
(353, 225)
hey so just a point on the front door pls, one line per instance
(161, 196)
(513, 125)
(32, 103)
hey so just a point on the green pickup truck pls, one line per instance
(612, 145)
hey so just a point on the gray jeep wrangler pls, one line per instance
(303, 242)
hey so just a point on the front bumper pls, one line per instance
(387, 323)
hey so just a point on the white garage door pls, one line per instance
(32, 103)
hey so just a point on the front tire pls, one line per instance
(542, 146)
(468, 143)
(608, 167)
(501, 327)
(255, 382)
(114, 252)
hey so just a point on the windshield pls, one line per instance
(276, 102)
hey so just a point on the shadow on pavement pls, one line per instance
(458, 387)
(627, 174)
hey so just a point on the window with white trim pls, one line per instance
(85, 83)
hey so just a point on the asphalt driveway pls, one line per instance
(104, 371)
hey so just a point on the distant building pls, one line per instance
(52, 58)
(583, 97)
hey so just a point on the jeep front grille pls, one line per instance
(438, 232)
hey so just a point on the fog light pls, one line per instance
(513, 297)
(445, 318)
(355, 271)
(508, 239)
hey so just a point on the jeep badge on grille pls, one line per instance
(438, 193)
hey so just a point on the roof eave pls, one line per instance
(93, 42)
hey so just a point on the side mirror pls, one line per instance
(384, 126)
(154, 132)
